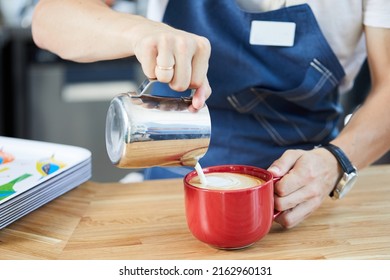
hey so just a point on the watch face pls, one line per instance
(345, 185)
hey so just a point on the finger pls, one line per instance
(165, 64)
(303, 173)
(301, 194)
(285, 163)
(292, 217)
(183, 69)
(283, 167)
(200, 62)
(295, 179)
(200, 96)
(147, 58)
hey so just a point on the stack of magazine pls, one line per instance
(32, 173)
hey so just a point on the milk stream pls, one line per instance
(201, 175)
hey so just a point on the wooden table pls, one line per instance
(147, 221)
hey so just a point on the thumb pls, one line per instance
(201, 95)
(285, 163)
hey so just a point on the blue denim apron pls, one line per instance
(266, 99)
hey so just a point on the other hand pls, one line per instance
(307, 179)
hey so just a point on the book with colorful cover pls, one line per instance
(33, 173)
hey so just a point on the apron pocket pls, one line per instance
(306, 113)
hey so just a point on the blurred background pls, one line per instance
(43, 97)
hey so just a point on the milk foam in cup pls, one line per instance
(224, 180)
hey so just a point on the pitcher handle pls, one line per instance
(143, 87)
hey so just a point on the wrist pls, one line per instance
(348, 174)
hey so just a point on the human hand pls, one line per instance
(175, 57)
(307, 179)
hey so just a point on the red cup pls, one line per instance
(230, 219)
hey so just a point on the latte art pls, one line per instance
(226, 181)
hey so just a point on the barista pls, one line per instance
(276, 69)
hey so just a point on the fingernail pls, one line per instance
(274, 170)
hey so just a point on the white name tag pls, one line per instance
(272, 33)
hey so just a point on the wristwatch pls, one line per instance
(349, 176)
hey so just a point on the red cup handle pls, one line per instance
(276, 213)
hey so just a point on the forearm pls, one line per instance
(83, 31)
(367, 136)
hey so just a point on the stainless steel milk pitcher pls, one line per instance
(144, 130)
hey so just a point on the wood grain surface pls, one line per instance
(147, 221)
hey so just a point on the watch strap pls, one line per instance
(341, 157)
